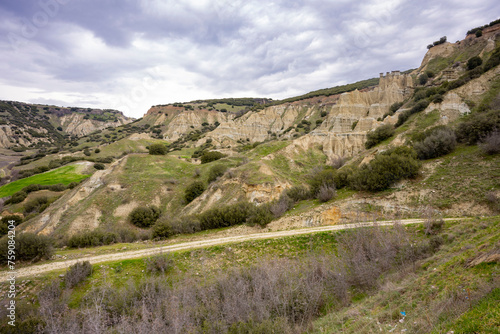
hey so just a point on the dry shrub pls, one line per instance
(491, 144)
(326, 192)
(273, 296)
(77, 273)
(159, 263)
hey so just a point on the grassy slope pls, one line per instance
(65, 175)
(436, 293)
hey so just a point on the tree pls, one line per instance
(144, 217)
(422, 79)
(194, 190)
(158, 149)
(474, 62)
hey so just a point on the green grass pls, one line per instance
(458, 178)
(439, 294)
(64, 175)
(482, 318)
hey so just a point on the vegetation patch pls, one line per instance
(64, 175)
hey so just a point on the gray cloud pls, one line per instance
(132, 54)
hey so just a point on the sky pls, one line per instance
(129, 55)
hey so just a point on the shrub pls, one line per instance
(297, 193)
(144, 217)
(99, 166)
(211, 156)
(474, 62)
(326, 177)
(225, 216)
(87, 152)
(57, 187)
(260, 215)
(344, 176)
(326, 193)
(379, 134)
(438, 98)
(386, 169)
(437, 143)
(478, 126)
(97, 150)
(282, 205)
(423, 78)
(418, 107)
(493, 61)
(162, 229)
(17, 197)
(216, 172)
(29, 247)
(194, 190)
(92, 239)
(77, 273)
(36, 205)
(395, 106)
(4, 223)
(491, 144)
(159, 263)
(158, 149)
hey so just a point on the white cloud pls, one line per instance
(154, 52)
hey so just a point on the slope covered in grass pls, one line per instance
(64, 175)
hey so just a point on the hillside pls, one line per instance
(421, 143)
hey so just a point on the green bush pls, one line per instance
(477, 126)
(493, 61)
(99, 166)
(225, 216)
(4, 223)
(194, 190)
(325, 177)
(395, 106)
(162, 229)
(97, 150)
(298, 193)
(386, 169)
(260, 215)
(211, 156)
(378, 135)
(87, 152)
(158, 149)
(17, 197)
(144, 217)
(423, 78)
(28, 247)
(474, 62)
(436, 143)
(92, 239)
(216, 172)
(36, 205)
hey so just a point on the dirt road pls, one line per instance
(47, 267)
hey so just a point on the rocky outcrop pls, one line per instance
(77, 125)
(343, 133)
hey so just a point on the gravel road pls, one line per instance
(47, 267)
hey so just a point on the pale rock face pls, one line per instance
(7, 136)
(75, 124)
(255, 125)
(335, 133)
(187, 121)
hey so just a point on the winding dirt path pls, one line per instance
(47, 267)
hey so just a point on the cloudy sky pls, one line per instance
(131, 54)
